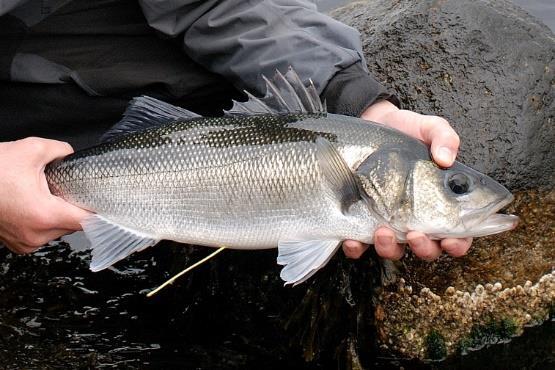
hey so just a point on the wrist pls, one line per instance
(379, 110)
(352, 90)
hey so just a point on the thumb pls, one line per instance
(56, 149)
(45, 150)
(443, 140)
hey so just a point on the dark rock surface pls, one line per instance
(486, 66)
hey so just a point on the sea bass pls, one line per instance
(277, 171)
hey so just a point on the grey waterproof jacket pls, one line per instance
(236, 39)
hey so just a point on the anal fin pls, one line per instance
(111, 242)
(301, 259)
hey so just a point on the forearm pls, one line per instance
(242, 40)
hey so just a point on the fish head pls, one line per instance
(412, 193)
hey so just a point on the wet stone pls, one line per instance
(486, 66)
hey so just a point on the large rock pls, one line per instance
(487, 66)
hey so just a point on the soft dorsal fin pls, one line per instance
(284, 94)
(145, 112)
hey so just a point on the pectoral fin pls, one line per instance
(111, 242)
(340, 178)
(303, 258)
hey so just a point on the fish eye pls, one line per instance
(459, 183)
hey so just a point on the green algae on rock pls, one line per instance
(490, 333)
(435, 345)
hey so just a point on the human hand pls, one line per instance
(444, 143)
(30, 216)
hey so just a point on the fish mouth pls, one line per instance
(489, 211)
(494, 224)
(488, 222)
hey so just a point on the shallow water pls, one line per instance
(54, 313)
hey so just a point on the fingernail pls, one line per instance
(417, 242)
(449, 245)
(385, 240)
(445, 155)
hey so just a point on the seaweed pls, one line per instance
(435, 346)
(493, 331)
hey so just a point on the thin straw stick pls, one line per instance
(170, 281)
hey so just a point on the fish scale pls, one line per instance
(192, 183)
(264, 176)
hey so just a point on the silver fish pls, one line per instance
(276, 171)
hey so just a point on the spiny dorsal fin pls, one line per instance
(284, 94)
(145, 112)
(289, 94)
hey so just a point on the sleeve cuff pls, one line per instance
(352, 90)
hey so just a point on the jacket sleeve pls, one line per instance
(8, 5)
(241, 40)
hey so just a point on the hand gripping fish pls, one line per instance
(278, 171)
